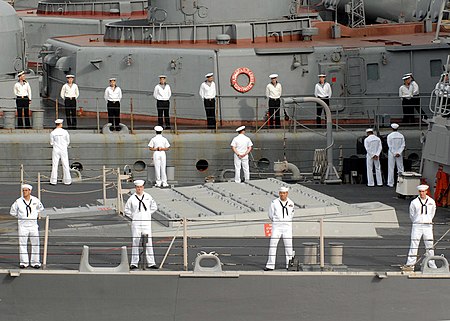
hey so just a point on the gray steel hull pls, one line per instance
(246, 296)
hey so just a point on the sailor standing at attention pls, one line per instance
(159, 145)
(241, 146)
(396, 144)
(22, 91)
(26, 209)
(273, 93)
(140, 207)
(60, 140)
(322, 91)
(70, 93)
(281, 212)
(208, 93)
(113, 95)
(162, 94)
(406, 95)
(373, 147)
(415, 100)
(421, 212)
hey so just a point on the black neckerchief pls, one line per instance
(141, 202)
(423, 205)
(284, 207)
(28, 207)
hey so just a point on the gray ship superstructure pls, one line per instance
(187, 40)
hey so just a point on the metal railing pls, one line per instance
(140, 113)
(61, 248)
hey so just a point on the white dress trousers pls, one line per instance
(59, 139)
(281, 228)
(141, 215)
(28, 228)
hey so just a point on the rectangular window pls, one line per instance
(372, 72)
(435, 67)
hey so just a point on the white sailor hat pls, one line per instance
(70, 76)
(406, 77)
(162, 76)
(209, 74)
(423, 187)
(158, 128)
(21, 73)
(369, 130)
(283, 189)
(139, 182)
(321, 75)
(271, 76)
(27, 186)
(59, 121)
(112, 78)
(408, 74)
(395, 126)
(240, 128)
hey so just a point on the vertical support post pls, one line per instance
(175, 115)
(104, 185)
(98, 115)
(21, 179)
(185, 251)
(44, 259)
(39, 186)
(256, 114)
(322, 247)
(119, 192)
(131, 115)
(56, 108)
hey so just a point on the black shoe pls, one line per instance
(133, 267)
(22, 266)
(36, 266)
(267, 269)
(153, 267)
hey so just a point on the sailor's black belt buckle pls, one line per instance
(21, 97)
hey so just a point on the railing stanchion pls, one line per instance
(44, 259)
(98, 115)
(39, 186)
(104, 185)
(322, 248)
(185, 251)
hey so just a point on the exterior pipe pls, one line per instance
(331, 175)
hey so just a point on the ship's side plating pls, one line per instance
(239, 296)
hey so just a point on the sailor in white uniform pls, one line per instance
(281, 212)
(113, 96)
(323, 91)
(60, 140)
(140, 207)
(421, 212)
(373, 147)
(273, 93)
(396, 144)
(70, 93)
(208, 93)
(241, 146)
(405, 93)
(22, 91)
(27, 209)
(162, 94)
(159, 145)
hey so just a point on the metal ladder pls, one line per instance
(439, 100)
(443, 23)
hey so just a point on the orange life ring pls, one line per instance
(248, 73)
